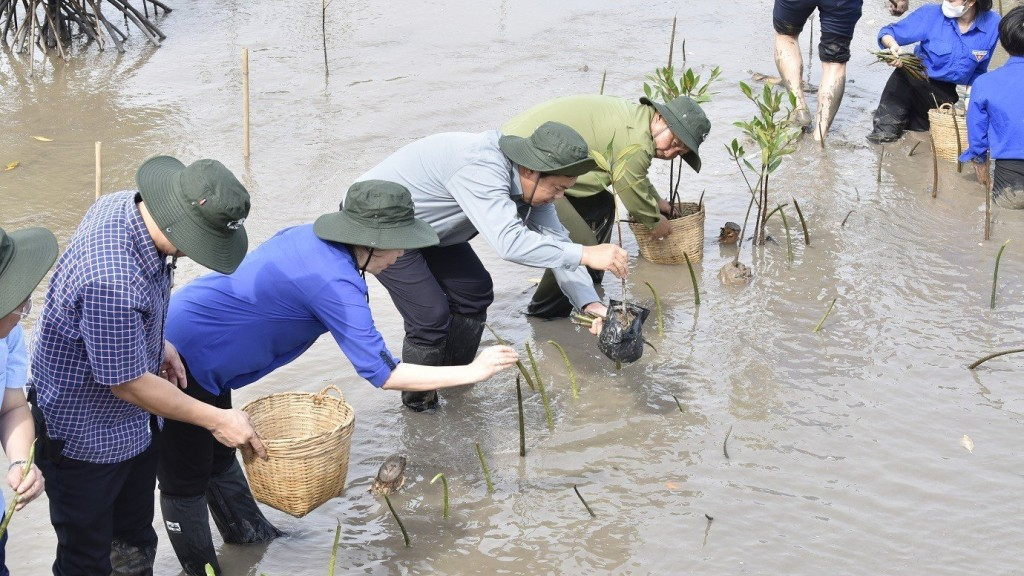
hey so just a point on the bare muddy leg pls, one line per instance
(791, 68)
(830, 96)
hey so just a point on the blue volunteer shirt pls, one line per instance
(948, 55)
(102, 325)
(233, 330)
(995, 116)
(13, 360)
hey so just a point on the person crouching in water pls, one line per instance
(233, 330)
(995, 118)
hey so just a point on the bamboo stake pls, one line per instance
(245, 101)
(99, 169)
(988, 208)
(935, 167)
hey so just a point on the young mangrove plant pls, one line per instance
(444, 482)
(519, 364)
(827, 312)
(657, 305)
(17, 497)
(540, 386)
(995, 275)
(678, 403)
(405, 534)
(487, 473)
(725, 443)
(693, 279)
(522, 420)
(789, 237)
(587, 506)
(568, 366)
(615, 166)
(334, 550)
(803, 223)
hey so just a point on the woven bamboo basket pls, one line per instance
(687, 237)
(949, 129)
(308, 437)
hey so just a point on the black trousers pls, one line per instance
(91, 505)
(430, 284)
(905, 102)
(189, 454)
(1008, 184)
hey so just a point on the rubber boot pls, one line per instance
(188, 528)
(235, 511)
(426, 356)
(129, 560)
(464, 334)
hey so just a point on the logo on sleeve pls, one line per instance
(979, 55)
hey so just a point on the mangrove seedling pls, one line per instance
(323, 32)
(843, 223)
(789, 238)
(615, 166)
(914, 147)
(678, 403)
(522, 420)
(444, 483)
(540, 386)
(334, 550)
(996, 355)
(803, 223)
(604, 76)
(587, 506)
(17, 497)
(487, 473)
(725, 444)
(657, 305)
(405, 534)
(693, 279)
(827, 312)
(568, 366)
(995, 275)
(519, 364)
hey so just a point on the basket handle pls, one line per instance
(321, 395)
(947, 107)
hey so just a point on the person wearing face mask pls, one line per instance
(503, 188)
(231, 331)
(663, 131)
(955, 42)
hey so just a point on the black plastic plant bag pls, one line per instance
(622, 339)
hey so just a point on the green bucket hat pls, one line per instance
(377, 214)
(687, 122)
(200, 208)
(25, 257)
(553, 148)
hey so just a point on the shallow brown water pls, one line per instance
(845, 453)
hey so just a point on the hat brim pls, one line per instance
(680, 131)
(159, 181)
(34, 251)
(340, 227)
(520, 151)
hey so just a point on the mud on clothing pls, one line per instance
(906, 100)
(234, 330)
(838, 20)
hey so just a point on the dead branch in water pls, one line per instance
(996, 355)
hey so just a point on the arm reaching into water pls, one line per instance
(416, 377)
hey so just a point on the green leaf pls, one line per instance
(600, 160)
(626, 152)
(746, 90)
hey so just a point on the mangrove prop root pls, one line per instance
(587, 506)
(827, 312)
(657, 304)
(693, 279)
(540, 387)
(995, 275)
(519, 364)
(405, 534)
(334, 547)
(996, 355)
(568, 366)
(444, 484)
(725, 443)
(487, 473)
(803, 223)
(522, 421)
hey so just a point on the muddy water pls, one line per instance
(845, 452)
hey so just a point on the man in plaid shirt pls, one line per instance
(99, 351)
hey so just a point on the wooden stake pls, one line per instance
(672, 42)
(604, 77)
(935, 167)
(988, 208)
(245, 101)
(99, 169)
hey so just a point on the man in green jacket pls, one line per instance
(662, 131)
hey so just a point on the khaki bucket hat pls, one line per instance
(25, 257)
(687, 122)
(553, 148)
(200, 208)
(377, 214)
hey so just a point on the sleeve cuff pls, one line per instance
(572, 255)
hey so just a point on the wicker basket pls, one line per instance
(687, 237)
(308, 437)
(949, 129)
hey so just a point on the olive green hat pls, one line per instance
(25, 257)
(553, 148)
(377, 214)
(687, 122)
(200, 208)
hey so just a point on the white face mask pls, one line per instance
(950, 11)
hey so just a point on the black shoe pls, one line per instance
(882, 137)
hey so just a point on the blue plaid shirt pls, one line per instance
(102, 325)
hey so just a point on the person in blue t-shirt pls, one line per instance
(25, 257)
(995, 118)
(956, 40)
(232, 330)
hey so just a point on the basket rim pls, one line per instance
(347, 422)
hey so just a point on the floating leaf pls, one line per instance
(43, 138)
(11, 166)
(967, 443)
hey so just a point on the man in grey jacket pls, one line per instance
(501, 187)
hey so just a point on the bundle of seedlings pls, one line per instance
(911, 63)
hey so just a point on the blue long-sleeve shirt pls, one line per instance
(948, 55)
(995, 116)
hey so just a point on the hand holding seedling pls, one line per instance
(27, 484)
(494, 359)
(606, 257)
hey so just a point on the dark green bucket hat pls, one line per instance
(200, 208)
(553, 148)
(25, 257)
(687, 122)
(377, 214)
